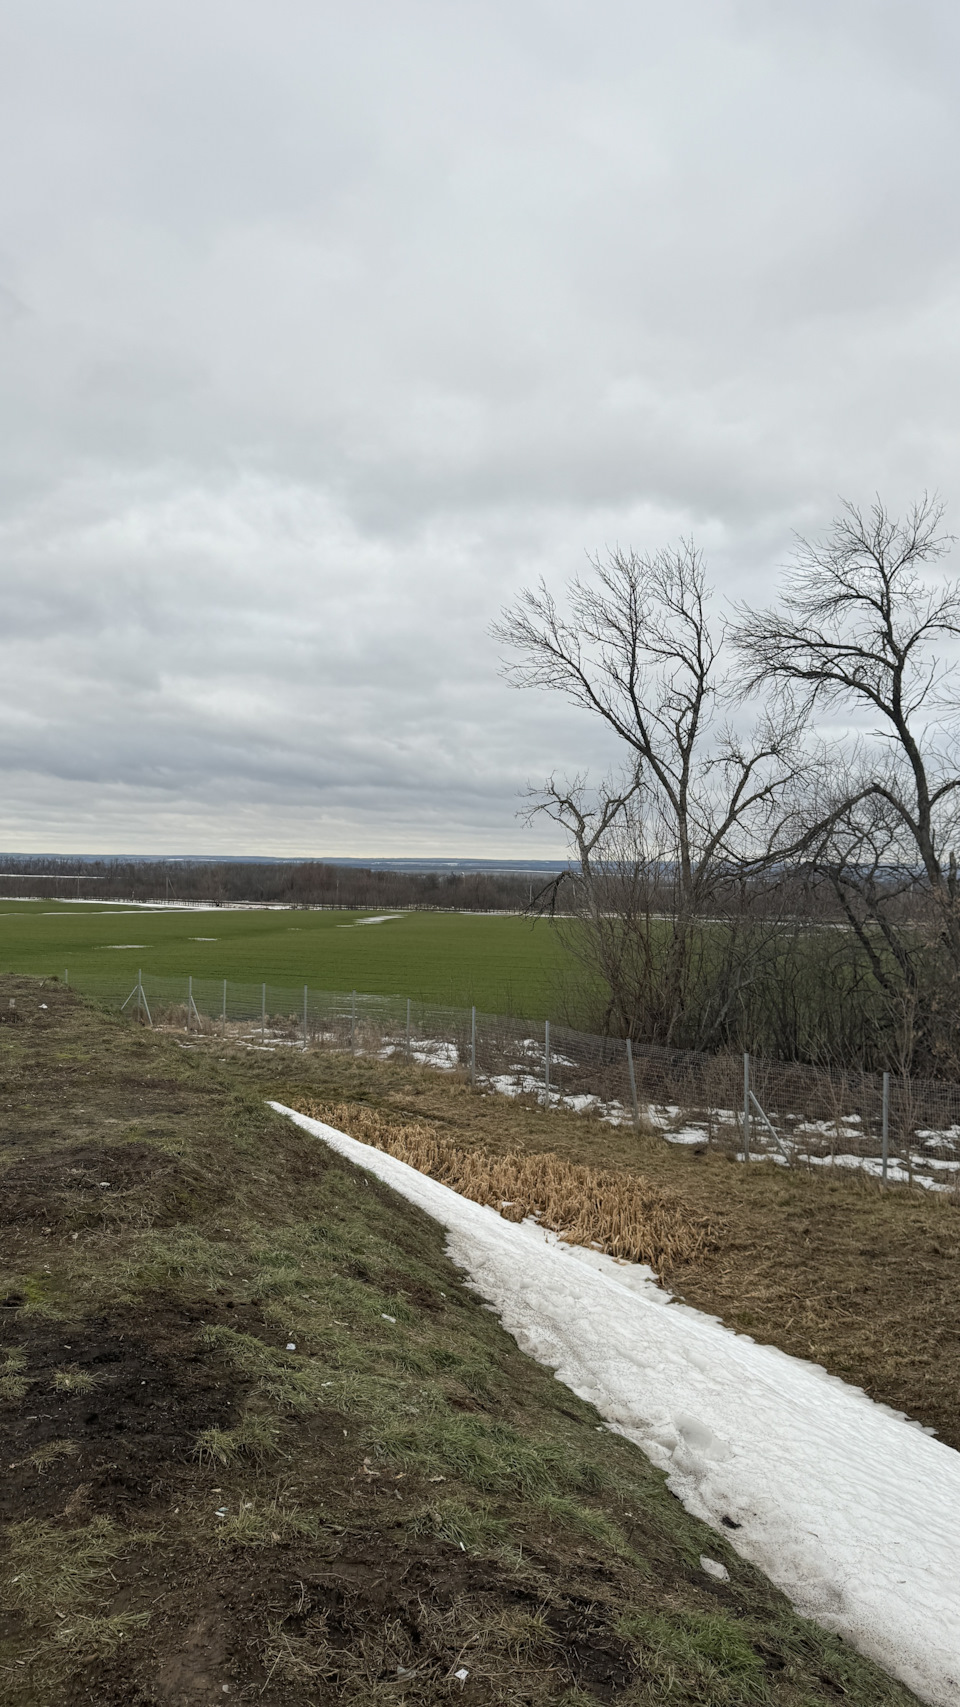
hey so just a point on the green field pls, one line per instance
(501, 964)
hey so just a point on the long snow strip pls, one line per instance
(850, 1509)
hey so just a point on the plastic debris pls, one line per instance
(461, 1675)
(384, 1318)
(291, 1346)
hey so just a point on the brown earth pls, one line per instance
(109, 1414)
(260, 1443)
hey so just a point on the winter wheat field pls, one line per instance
(502, 963)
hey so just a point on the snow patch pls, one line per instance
(381, 919)
(850, 1508)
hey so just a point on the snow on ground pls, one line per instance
(852, 1510)
(672, 1124)
(380, 919)
(668, 1119)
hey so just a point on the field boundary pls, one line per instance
(903, 1130)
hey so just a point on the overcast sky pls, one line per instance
(324, 328)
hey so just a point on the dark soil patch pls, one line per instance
(113, 1406)
(302, 1627)
(77, 1185)
(597, 1660)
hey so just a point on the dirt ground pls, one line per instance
(260, 1443)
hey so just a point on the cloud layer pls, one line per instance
(325, 329)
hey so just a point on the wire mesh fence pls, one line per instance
(900, 1128)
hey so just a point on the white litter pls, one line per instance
(461, 1675)
(850, 1509)
(714, 1568)
(392, 1319)
(291, 1346)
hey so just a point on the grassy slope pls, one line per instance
(189, 1505)
(502, 964)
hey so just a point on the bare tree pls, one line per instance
(700, 801)
(859, 630)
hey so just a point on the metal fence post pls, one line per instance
(189, 1002)
(65, 978)
(746, 1107)
(304, 1016)
(633, 1086)
(408, 1028)
(885, 1127)
(473, 1046)
(353, 1022)
(224, 1006)
(139, 989)
(263, 1013)
(546, 1059)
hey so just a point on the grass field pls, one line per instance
(500, 964)
(260, 1443)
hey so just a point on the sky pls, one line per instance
(325, 329)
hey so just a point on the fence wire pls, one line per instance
(792, 1112)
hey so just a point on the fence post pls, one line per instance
(189, 1002)
(546, 1059)
(353, 1023)
(473, 1046)
(746, 1107)
(143, 1006)
(633, 1086)
(304, 1016)
(65, 978)
(263, 1013)
(224, 1007)
(408, 1028)
(885, 1127)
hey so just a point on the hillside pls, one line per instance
(263, 1444)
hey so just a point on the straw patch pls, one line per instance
(622, 1214)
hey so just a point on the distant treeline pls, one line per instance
(310, 884)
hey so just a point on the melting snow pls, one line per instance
(380, 919)
(852, 1510)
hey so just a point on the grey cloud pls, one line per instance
(329, 327)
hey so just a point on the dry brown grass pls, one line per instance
(620, 1213)
(826, 1265)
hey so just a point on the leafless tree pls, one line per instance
(701, 801)
(860, 630)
